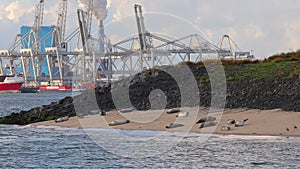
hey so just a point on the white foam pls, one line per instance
(250, 137)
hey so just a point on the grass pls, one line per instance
(284, 66)
(263, 70)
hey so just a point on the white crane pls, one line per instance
(60, 28)
(38, 22)
(235, 51)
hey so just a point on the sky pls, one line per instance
(265, 26)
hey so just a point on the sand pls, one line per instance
(260, 122)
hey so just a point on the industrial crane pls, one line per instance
(85, 26)
(60, 28)
(38, 22)
(235, 51)
(141, 27)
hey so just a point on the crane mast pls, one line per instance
(140, 26)
(90, 6)
(85, 26)
(38, 22)
(61, 23)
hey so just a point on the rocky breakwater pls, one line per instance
(52, 111)
(255, 85)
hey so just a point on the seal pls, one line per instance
(173, 125)
(174, 110)
(208, 124)
(182, 114)
(225, 128)
(62, 119)
(231, 121)
(100, 112)
(240, 123)
(126, 110)
(118, 122)
(206, 119)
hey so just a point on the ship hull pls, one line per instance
(55, 89)
(29, 90)
(10, 87)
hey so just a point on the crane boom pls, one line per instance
(38, 22)
(140, 26)
(61, 20)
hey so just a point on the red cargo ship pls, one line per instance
(10, 83)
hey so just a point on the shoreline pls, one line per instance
(215, 133)
(261, 122)
(227, 135)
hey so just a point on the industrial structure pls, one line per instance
(43, 56)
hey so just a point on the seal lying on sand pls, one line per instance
(126, 110)
(173, 125)
(100, 112)
(61, 119)
(231, 121)
(240, 123)
(182, 114)
(118, 122)
(206, 119)
(174, 110)
(208, 124)
(225, 128)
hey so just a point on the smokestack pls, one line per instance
(101, 36)
(101, 44)
(99, 9)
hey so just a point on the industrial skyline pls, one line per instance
(266, 27)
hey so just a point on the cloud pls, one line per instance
(292, 35)
(254, 30)
(51, 13)
(121, 8)
(14, 11)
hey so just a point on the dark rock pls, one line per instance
(53, 111)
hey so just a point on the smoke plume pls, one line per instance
(99, 9)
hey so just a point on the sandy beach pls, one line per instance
(260, 122)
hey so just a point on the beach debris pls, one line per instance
(287, 129)
(62, 119)
(295, 127)
(240, 123)
(126, 110)
(173, 110)
(118, 122)
(182, 114)
(208, 124)
(225, 128)
(231, 121)
(173, 125)
(206, 119)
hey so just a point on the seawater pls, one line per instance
(56, 147)
(15, 102)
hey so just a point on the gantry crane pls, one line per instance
(60, 27)
(33, 44)
(234, 51)
(38, 22)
